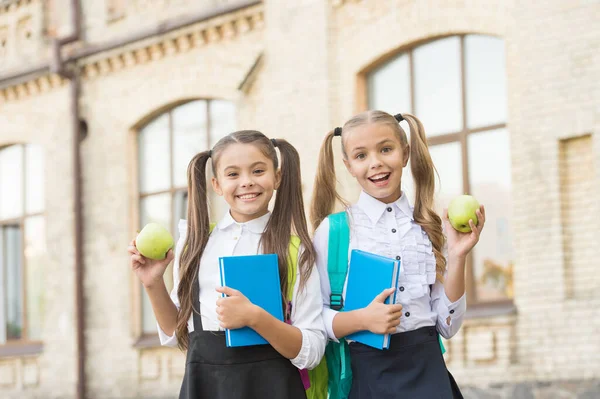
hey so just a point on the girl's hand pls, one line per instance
(460, 244)
(234, 310)
(150, 272)
(380, 318)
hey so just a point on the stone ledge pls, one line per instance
(36, 86)
(21, 349)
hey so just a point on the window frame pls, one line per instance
(477, 308)
(23, 345)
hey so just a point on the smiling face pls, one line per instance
(375, 158)
(246, 178)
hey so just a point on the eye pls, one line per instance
(386, 149)
(259, 171)
(231, 174)
(360, 155)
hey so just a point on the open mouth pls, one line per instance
(380, 178)
(248, 197)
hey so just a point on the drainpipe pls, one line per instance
(58, 66)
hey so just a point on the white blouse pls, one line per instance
(230, 238)
(390, 230)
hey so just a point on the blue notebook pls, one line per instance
(368, 275)
(257, 277)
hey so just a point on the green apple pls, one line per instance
(154, 241)
(460, 210)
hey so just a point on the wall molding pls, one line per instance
(220, 29)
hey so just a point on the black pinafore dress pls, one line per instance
(214, 371)
(412, 368)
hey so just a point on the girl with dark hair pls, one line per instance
(246, 173)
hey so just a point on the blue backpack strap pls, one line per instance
(337, 259)
(337, 355)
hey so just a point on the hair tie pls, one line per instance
(274, 141)
(337, 131)
(399, 117)
(210, 153)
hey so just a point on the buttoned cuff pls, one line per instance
(451, 310)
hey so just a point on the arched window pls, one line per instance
(457, 87)
(165, 147)
(22, 243)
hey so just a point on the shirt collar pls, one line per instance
(375, 208)
(254, 226)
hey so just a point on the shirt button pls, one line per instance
(398, 257)
(393, 230)
(407, 314)
(235, 238)
(401, 289)
(452, 311)
(389, 209)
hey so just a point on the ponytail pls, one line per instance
(423, 172)
(288, 214)
(198, 231)
(325, 194)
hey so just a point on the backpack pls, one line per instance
(317, 377)
(337, 354)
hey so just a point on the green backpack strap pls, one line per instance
(318, 376)
(293, 251)
(337, 258)
(337, 354)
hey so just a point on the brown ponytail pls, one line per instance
(423, 172)
(198, 231)
(288, 213)
(325, 193)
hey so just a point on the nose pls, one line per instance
(375, 162)
(248, 182)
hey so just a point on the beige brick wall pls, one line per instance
(294, 97)
(553, 94)
(43, 120)
(578, 197)
(312, 51)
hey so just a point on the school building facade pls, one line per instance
(103, 103)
